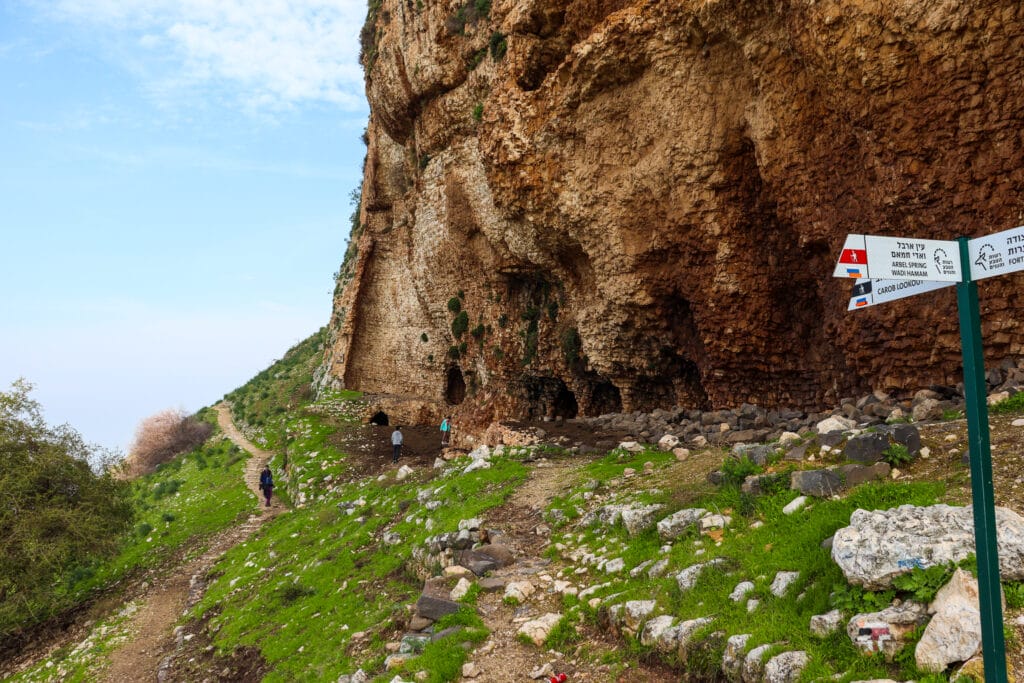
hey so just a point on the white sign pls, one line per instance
(899, 258)
(997, 254)
(870, 292)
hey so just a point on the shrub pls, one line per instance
(923, 584)
(1014, 404)
(460, 324)
(738, 469)
(57, 513)
(454, 305)
(571, 346)
(896, 455)
(478, 112)
(160, 437)
(423, 337)
(498, 45)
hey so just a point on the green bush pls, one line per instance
(460, 324)
(738, 469)
(1014, 404)
(498, 45)
(896, 455)
(454, 305)
(57, 513)
(923, 584)
(478, 112)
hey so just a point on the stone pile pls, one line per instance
(752, 424)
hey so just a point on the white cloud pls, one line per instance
(272, 54)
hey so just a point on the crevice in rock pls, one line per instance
(455, 386)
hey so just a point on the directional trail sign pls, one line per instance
(899, 258)
(889, 268)
(871, 292)
(997, 254)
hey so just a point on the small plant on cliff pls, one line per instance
(498, 45)
(460, 324)
(424, 338)
(502, 321)
(571, 346)
(453, 352)
(476, 58)
(454, 305)
(478, 112)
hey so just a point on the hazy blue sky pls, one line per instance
(174, 195)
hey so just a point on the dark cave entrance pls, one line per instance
(380, 418)
(455, 386)
(547, 397)
(605, 398)
(565, 405)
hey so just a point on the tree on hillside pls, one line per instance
(160, 437)
(56, 513)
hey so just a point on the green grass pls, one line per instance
(314, 576)
(1010, 406)
(783, 543)
(185, 500)
(264, 401)
(74, 663)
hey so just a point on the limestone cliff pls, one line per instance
(610, 205)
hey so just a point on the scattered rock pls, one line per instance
(823, 625)
(886, 631)
(639, 519)
(470, 670)
(785, 667)
(794, 505)
(519, 590)
(782, 582)
(818, 483)
(881, 544)
(678, 523)
(461, 588)
(538, 630)
(835, 424)
(732, 657)
(741, 590)
(954, 633)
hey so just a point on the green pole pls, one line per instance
(993, 647)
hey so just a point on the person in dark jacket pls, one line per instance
(267, 483)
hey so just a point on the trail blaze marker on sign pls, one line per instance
(898, 258)
(919, 266)
(872, 292)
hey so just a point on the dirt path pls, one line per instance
(502, 658)
(147, 653)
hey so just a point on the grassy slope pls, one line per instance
(314, 577)
(182, 503)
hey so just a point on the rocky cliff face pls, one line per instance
(600, 205)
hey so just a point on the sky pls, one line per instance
(175, 181)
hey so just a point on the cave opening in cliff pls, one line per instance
(455, 386)
(380, 418)
(547, 397)
(565, 405)
(605, 398)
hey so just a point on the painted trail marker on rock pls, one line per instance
(927, 265)
(898, 258)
